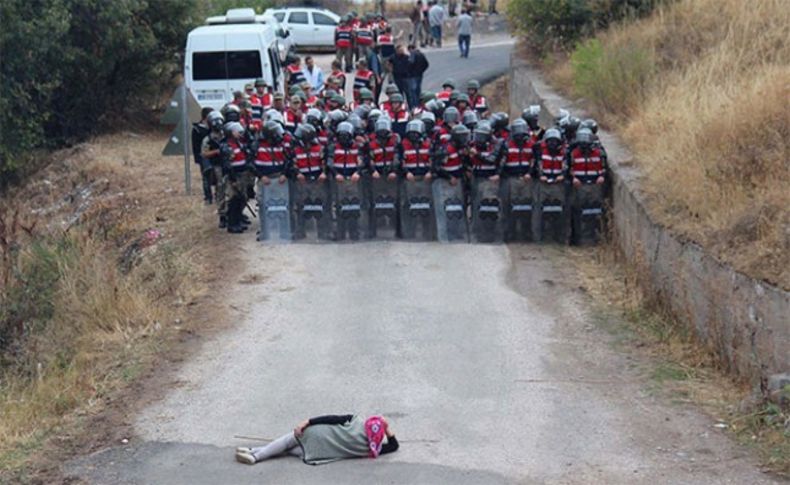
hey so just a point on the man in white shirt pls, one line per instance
(313, 74)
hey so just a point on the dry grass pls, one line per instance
(112, 307)
(497, 94)
(681, 368)
(711, 129)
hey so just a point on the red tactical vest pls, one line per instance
(453, 164)
(385, 40)
(481, 165)
(445, 134)
(309, 160)
(551, 166)
(519, 158)
(383, 153)
(238, 158)
(342, 77)
(583, 166)
(269, 159)
(323, 137)
(292, 120)
(399, 116)
(416, 158)
(478, 103)
(295, 75)
(362, 79)
(344, 35)
(347, 159)
(444, 95)
(364, 35)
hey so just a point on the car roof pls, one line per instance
(322, 10)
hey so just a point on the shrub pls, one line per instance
(561, 24)
(613, 79)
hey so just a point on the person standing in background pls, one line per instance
(419, 64)
(416, 23)
(436, 19)
(401, 69)
(464, 28)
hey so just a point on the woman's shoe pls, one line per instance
(245, 458)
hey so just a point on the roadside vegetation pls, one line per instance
(699, 91)
(101, 262)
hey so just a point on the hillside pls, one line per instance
(699, 89)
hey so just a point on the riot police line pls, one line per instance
(444, 172)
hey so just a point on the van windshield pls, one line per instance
(208, 66)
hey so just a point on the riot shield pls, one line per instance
(351, 210)
(450, 211)
(550, 222)
(312, 209)
(518, 197)
(417, 221)
(383, 208)
(486, 211)
(587, 214)
(274, 211)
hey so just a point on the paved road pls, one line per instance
(485, 360)
(484, 357)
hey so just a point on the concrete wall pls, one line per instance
(746, 321)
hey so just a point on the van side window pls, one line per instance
(226, 65)
(298, 18)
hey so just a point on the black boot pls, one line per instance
(234, 216)
(223, 222)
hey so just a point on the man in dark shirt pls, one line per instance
(419, 64)
(200, 131)
(401, 69)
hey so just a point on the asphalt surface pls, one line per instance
(485, 358)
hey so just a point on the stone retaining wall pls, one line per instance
(746, 321)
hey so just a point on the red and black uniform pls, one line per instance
(550, 165)
(382, 153)
(519, 158)
(416, 158)
(270, 159)
(364, 35)
(587, 167)
(309, 160)
(444, 95)
(445, 134)
(399, 117)
(478, 103)
(322, 136)
(486, 162)
(236, 161)
(502, 135)
(341, 76)
(345, 161)
(453, 163)
(292, 120)
(344, 37)
(386, 45)
(295, 75)
(363, 78)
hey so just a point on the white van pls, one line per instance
(224, 55)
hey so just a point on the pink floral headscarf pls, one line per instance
(375, 430)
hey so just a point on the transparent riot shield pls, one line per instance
(312, 210)
(518, 201)
(587, 214)
(487, 224)
(550, 222)
(417, 221)
(351, 210)
(383, 208)
(450, 211)
(274, 211)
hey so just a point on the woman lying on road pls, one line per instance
(326, 439)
